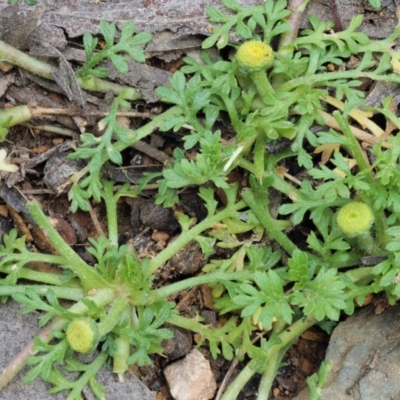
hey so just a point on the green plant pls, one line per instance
(307, 96)
(29, 2)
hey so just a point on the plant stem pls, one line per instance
(67, 293)
(273, 358)
(111, 206)
(380, 219)
(31, 64)
(89, 374)
(362, 117)
(363, 274)
(264, 88)
(146, 130)
(278, 183)
(325, 77)
(240, 381)
(212, 277)
(28, 257)
(17, 115)
(101, 298)
(88, 275)
(40, 68)
(48, 278)
(100, 85)
(288, 336)
(113, 316)
(121, 354)
(267, 221)
(190, 235)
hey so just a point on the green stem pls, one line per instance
(100, 85)
(278, 183)
(122, 347)
(88, 275)
(325, 77)
(101, 298)
(121, 353)
(31, 64)
(190, 235)
(273, 357)
(213, 277)
(90, 373)
(267, 221)
(380, 219)
(15, 115)
(113, 315)
(240, 381)
(259, 155)
(29, 257)
(40, 68)
(47, 278)
(361, 275)
(111, 206)
(264, 88)
(60, 292)
(147, 129)
(276, 353)
(269, 375)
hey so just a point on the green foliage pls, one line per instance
(98, 150)
(317, 381)
(269, 298)
(269, 17)
(29, 2)
(147, 335)
(34, 302)
(128, 43)
(44, 362)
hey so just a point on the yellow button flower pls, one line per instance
(82, 335)
(355, 218)
(255, 56)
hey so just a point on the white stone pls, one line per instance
(191, 378)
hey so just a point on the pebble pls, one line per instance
(191, 378)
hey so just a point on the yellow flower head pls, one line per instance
(82, 335)
(255, 56)
(355, 218)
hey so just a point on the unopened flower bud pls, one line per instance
(255, 56)
(355, 218)
(83, 335)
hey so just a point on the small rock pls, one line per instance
(179, 345)
(365, 354)
(160, 236)
(187, 261)
(152, 216)
(58, 170)
(191, 378)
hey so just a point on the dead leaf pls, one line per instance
(5, 82)
(17, 25)
(64, 75)
(281, 171)
(395, 64)
(327, 151)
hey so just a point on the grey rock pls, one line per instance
(17, 330)
(365, 351)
